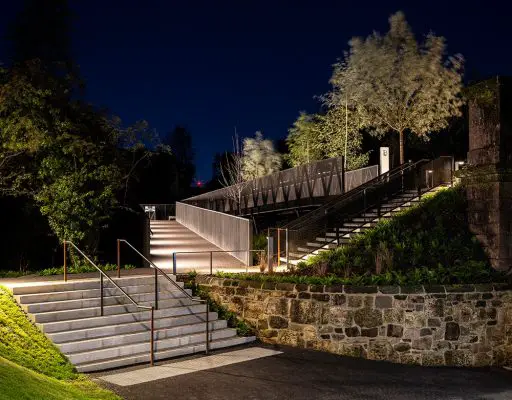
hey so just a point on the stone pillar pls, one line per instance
(489, 177)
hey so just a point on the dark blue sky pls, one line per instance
(213, 65)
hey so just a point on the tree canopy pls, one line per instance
(396, 84)
(259, 157)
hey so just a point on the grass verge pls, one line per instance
(20, 383)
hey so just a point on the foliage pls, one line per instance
(180, 141)
(260, 157)
(83, 268)
(396, 84)
(21, 342)
(319, 136)
(415, 238)
(21, 383)
(472, 273)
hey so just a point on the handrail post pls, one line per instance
(118, 258)
(101, 294)
(278, 247)
(287, 250)
(65, 264)
(152, 339)
(174, 263)
(156, 289)
(207, 345)
(211, 263)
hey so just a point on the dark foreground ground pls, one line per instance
(302, 374)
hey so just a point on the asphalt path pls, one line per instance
(305, 374)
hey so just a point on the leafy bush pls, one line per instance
(433, 235)
(82, 268)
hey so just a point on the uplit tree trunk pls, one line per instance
(402, 156)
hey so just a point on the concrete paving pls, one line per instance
(193, 251)
(304, 374)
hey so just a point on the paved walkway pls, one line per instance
(304, 374)
(193, 251)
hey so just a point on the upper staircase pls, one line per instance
(360, 209)
(69, 313)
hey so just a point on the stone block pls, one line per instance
(411, 359)
(368, 318)
(402, 346)
(253, 310)
(338, 299)
(287, 287)
(304, 295)
(355, 301)
(432, 359)
(352, 331)
(389, 289)
(262, 324)
(360, 289)
(434, 322)
(288, 337)
(277, 322)
(277, 306)
(458, 358)
(320, 297)
(236, 305)
(305, 312)
(334, 289)
(379, 350)
(414, 320)
(425, 332)
(383, 302)
(394, 315)
(423, 343)
(412, 289)
(316, 288)
(371, 332)
(452, 331)
(482, 360)
(395, 330)
(301, 287)
(340, 316)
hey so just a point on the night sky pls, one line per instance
(213, 65)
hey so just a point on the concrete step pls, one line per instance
(50, 306)
(54, 316)
(138, 337)
(96, 321)
(161, 355)
(92, 293)
(84, 284)
(129, 327)
(78, 358)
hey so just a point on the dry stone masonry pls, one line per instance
(468, 325)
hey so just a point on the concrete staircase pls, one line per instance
(69, 314)
(355, 226)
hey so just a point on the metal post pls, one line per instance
(207, 346)
(287, 250)
(337, 235)
(278, 247)
(118, 258)
(211, 263)
(342, 174)
(152, 339)
(156, 289)
(65, 265)
(174, 263)
(101, 294)
(270, 253)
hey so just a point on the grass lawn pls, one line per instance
(31, 367)
(18, 382)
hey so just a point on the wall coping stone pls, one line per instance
(349, 289)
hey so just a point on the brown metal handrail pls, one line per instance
(103, 274)
(211, 252)
(157, 270)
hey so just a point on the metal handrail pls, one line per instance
(157, 270)
(103, 274)
(322, 210)
(174, 254)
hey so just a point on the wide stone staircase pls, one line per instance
(335, 237)
(69, 313)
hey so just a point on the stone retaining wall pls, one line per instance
(468, 325)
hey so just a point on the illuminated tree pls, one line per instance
(396, 84)
(259, 157)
